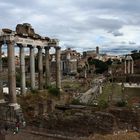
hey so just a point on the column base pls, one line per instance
(15, 106)
(2, 101)
(60, 89)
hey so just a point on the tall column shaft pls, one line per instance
(58, 68)
(47, 67)
(11, 72)
(1, 83)
(132, 67)
(22, 70)
(125, 71)
(40, 69)
(32, 67)
(128, 67)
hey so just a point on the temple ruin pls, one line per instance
(24, 36)
(129, 65)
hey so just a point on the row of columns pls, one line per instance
(40, 67)
(129, 67)
(12, 72)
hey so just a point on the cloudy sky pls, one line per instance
(114, 25)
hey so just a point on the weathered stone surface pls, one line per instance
(37, 36)
(77, 124)
(83, 122)
(47, 38)
(6, 30)
(9, 116)
(126, 118)
(25, 29)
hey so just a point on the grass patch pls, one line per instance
(103, 104)
(75, 85)
(110, 88)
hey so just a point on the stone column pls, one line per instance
(22, 69)
(132, 67)
(58, 68)
(47, 67)
(40, 68)
(100, 89)
(128, 66)
(32, 67)
(125, 71)
(1, 82)
(11, 72)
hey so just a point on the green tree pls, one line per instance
(135, 54)
(100, 66)
(109, 62)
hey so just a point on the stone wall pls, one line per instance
(126, 118)
(84, 123)
(77, 124)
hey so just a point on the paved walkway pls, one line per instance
(92, 94)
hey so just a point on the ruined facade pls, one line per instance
(24, 37)
(129, 65)
(69, 61)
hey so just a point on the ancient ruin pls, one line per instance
(129, 65)
(24, 37)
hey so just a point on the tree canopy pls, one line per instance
(100, 66)
(135, 54)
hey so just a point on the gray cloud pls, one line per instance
(120, 48)
(75, 22)
(132, 43)
(116, 33)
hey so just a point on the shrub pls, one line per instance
(75, 102)
(34, 91)
(121, 103)
(54, 91)
(103, 104)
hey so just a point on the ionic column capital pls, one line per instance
(21, 45)
(30, 46)
(39, 47)
(57, 48)
(47, 48)
(12, 42)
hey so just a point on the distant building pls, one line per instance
(129, 65)
(92, 53)
(69, 61)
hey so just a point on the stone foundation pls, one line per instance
(10, 115)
